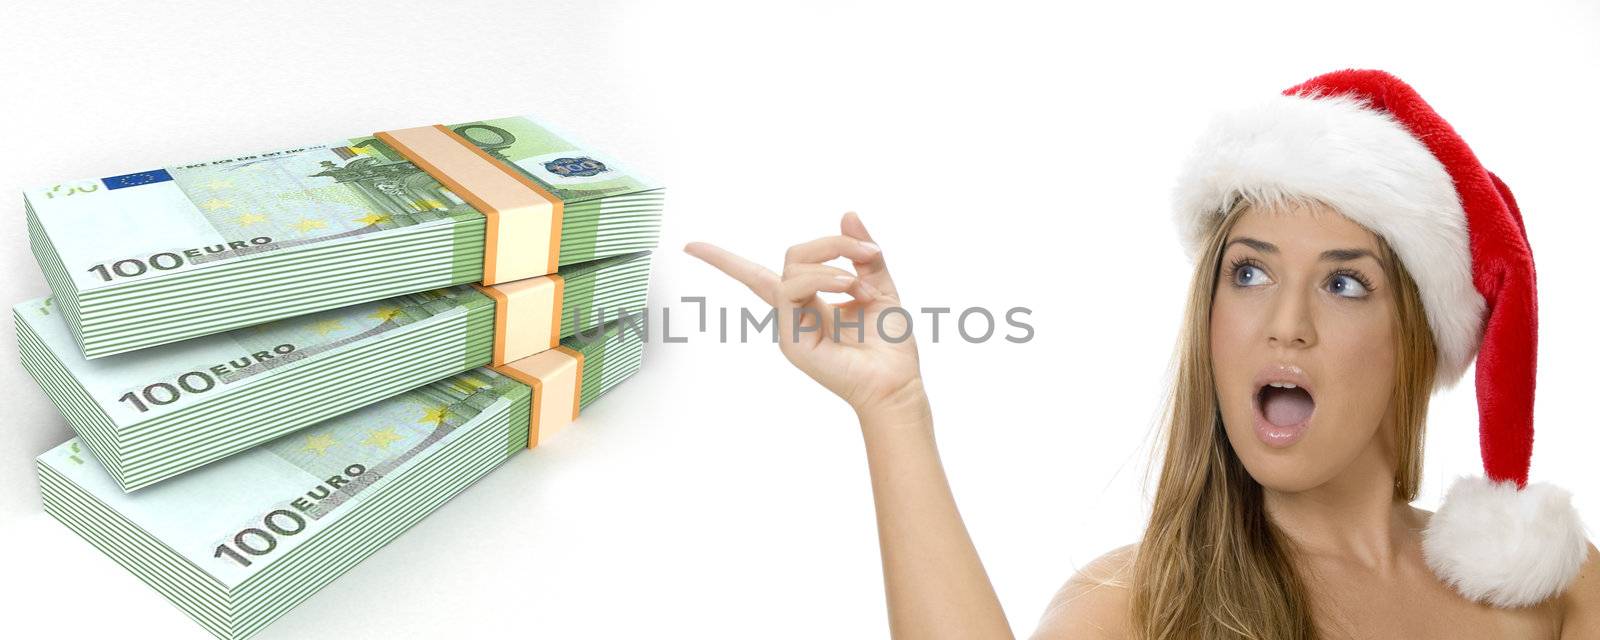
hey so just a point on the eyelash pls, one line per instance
(1245, 261)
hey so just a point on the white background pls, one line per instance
(1003, 156)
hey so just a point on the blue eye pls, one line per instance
(1343, 284)
(1244, 274)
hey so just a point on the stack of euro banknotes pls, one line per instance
(275, 364)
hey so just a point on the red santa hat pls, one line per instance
(1365, 144)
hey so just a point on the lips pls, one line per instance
(1284, 404)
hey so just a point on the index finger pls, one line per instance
(761, 280)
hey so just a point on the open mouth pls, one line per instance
(1284, 405)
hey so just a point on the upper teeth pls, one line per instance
(1283, 385)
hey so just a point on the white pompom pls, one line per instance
(1505, 547)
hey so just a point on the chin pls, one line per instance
(1285, 475)
(1299, 467)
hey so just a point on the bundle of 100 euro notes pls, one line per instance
(386, 318)
(238, 543)
(158, 256)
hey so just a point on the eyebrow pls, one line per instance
(1338, 255)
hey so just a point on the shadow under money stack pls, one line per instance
(387, 366)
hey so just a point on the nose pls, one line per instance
(1292, 324)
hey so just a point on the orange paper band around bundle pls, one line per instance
(527, 316)
(555, 375)
(522, 230)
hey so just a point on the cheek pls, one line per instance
(1229, 330)
(1232, 331)
(1360, 360)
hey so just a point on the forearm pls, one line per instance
(935, 583)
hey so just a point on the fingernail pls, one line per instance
(867, 288)
(844, 279)
(870, 246)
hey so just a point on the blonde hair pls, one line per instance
(1211, 564)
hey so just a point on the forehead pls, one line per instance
(1303, 228)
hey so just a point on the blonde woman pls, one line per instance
(1351, 257)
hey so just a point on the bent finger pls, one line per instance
(829, 247)
(797, 298)
(862, 291)
(802, 288)
(874, 271)
(803, 268)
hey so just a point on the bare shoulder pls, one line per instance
(1580, 610)
(1094, 602)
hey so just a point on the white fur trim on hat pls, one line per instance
(1364, 164)
(1505, 547)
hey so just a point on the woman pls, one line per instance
(1351, 256)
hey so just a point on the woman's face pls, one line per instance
(1301, 297)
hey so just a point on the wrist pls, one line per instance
(906, 406)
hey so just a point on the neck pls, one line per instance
(1354, 516)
